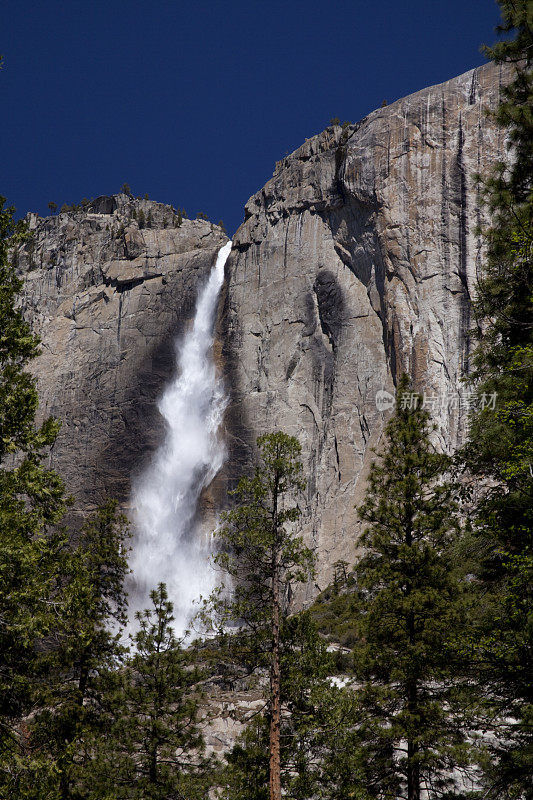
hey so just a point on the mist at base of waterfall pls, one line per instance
(169, 543)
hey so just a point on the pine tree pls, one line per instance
(317, 716)
(246, 774)
(31, 504)
(153, 746)
(515, 114)
(263, 556)
(83, 648)
(409, 607)
(499, 453)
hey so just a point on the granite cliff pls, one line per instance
(108, 287)
(356, 261)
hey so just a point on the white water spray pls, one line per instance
(169, 546)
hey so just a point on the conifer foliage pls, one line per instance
(264, 558)
(317, 720)
(499, 453)
(152, 747)
(408, 607)
(31, 503)
(83, 648)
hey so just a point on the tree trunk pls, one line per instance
(413, 767)
(413, 772)
(64, 783)
(69, 735)
(275, 718)
(152, 763)
(275, 668)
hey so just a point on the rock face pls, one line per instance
(108, 287)
(355, 263)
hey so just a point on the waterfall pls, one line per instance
(169, 546)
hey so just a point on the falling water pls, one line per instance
(169, 546)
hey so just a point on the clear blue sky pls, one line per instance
(193, 102)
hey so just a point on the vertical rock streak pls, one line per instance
(169, 546)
